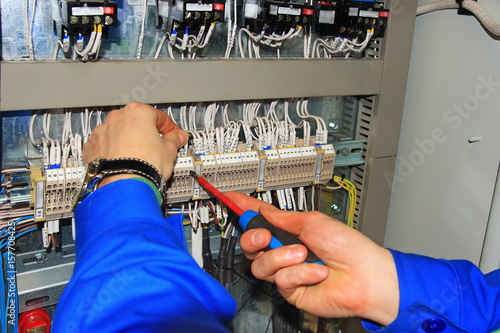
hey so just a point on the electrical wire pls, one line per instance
(470, 5)
(351, 189)
(28, 23)
(143, 26)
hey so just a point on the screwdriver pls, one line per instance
(252, 220)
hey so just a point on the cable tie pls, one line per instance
(461, 9)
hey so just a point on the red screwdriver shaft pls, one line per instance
(231, 205)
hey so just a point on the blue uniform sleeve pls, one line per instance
(133, 273)
(443, 296)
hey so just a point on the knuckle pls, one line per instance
(134, 106)
(257, 271)
(111, 117)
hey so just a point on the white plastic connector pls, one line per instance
(79, 43)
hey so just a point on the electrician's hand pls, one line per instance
(134, 132)
(359, 277)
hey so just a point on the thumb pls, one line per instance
(177, 137)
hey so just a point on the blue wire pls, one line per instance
(19, 220)
(26, 231)
(4, 242)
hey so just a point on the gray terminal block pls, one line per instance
(181, 183)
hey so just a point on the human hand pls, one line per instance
(134, 132)
(359, 277)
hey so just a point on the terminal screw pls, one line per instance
(335, 208)
(41, 258)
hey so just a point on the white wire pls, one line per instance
(29, 29)
(436, 5)
(143, 26)
(46, 126)
(31, 125)
(89, 47)
(312, 198)
(160, 46)
(470, 5)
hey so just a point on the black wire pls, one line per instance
(252, 284)
(248, 298)
(221, 260)
(240, 276)
(229, 263)
(208, 264)
(269, 322)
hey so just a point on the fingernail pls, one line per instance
(298, 251)
(322, 271)
(258, 238)
(183, 137)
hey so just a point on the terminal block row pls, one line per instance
(251, 171)
(54, 190)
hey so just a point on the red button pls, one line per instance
(218, 6)
(308, 11)
(109, 10)
(384, 14)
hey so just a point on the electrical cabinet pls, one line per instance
(377, 82)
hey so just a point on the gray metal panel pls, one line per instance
(45, 285)
(376, 194)
(443, 192)
(388, 108)
(386, 122)
(41, 85)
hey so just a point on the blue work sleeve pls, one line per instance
(133, 273)
(443, 296)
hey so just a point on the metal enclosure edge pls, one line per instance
(386, 122)
(25, 84)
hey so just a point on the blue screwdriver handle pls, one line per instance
(253, 220)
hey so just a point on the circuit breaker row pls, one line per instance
(326, 18)
(339, 18)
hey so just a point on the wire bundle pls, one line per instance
(469, 5)
(273, 40)
(351, 189)
(187, 42)
(340, 45)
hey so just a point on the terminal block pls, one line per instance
(191, 15)
(287, 16)
(54, 194)
(237, 171)
(80, 16)
(272, 165)
(54, 191)
(295, 168)
(276, 16)
(181, 183)
(208, 172)
(350, 19)
(37, 180)
(327, 166)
